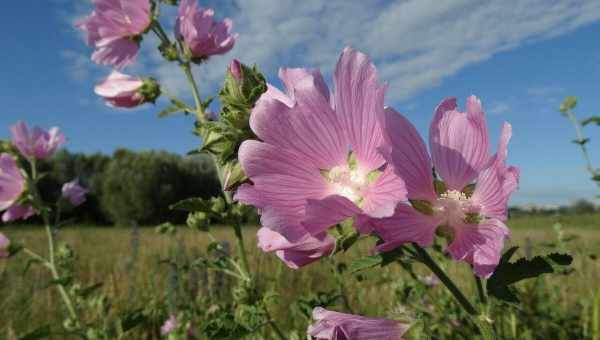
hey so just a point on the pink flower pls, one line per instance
(169, 326)
(74, 193)
(460, 154)
(317, 163)
(120, 90)
(202, 35)
(303, 251)
(17, 212)
(38, 144)
(114, 29)
(12, 182)
(331, 325)
(4, 246)
(236, 69)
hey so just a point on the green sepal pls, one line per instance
(423, 206)
(439, 186)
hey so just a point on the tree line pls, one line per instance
(130, 186)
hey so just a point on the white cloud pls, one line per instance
(497, 108)
(415, 44)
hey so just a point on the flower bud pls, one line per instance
(120, 90)
(169, 51)
(74, 193)
(236, 69)
(38, 143)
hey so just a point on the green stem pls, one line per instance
(273, 325)
(50, 263)
(580, 137)
(340, 282)
(432, 265)
(480, 290)
(186, 67)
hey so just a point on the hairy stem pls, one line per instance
(273, 325)
(433, 266)
(580, 137)
(482, 296)
(187, 69)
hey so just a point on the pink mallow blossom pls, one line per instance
(17, 212)
(202, 35)
(12, 182)
(4, 246)
(471, 205)
(169, 326)
(295, 254)
(317, 161)
(331, 325)
(114, 29)
(12, 185)
(121, 90)
(74, 193)
(37, 144)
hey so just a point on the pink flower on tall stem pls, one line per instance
(114, 29)
(317, 163)
(470, 205)
(17, 212)
(12, 182)
(331, 325)
(296, 254)
(169, 326)
(39, 144)
(4, 246)
(201, 34)
(74, 193)
(121, 90)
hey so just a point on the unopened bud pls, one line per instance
(236, 69)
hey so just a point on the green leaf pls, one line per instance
(590, 120)
(39, 333)
(381, 259)
(192, 205)
(132, 319)
(568, 103)
(581, 141)
(508, 273)
(85, 292)
(170, 110)
(596, 178)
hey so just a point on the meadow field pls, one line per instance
(127, 261)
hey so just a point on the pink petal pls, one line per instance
(282, 179)
(358, 103)
(381, 197)
(295, 254)
(4, 246)
(408, 155)
(12, 182)
(480, 245)
(119, 53)
(405, 226)
(327, 212)
(496, 183)
(309, 128)
(17, 212)
(330, 325)
(459, 142)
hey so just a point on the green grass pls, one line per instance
(103, 255)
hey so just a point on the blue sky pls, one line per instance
(521, 60)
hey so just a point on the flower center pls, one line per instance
(348, 182)
(456, 208)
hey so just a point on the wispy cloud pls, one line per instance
(497, 108)
(416, 44)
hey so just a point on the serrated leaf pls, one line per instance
(192, 205)
(39, 333)
(508, 273)
(381, 259)
(590, 120)
(568, 103)
(581, 141)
